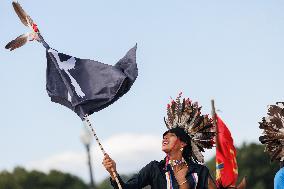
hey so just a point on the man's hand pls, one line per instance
(109, 165)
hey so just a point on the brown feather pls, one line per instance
(18, 42)
(24, 17)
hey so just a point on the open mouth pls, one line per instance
(165, 143)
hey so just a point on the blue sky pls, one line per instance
(230, 51)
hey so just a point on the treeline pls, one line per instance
(23, 179)
(252, 162)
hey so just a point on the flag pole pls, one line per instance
(213, 112)
(242, 185)
(88, 123)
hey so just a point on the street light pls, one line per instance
(86, 138)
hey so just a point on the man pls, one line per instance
(272, 137)
(279, 178)
(189, 133)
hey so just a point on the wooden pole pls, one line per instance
(88, 123)
(213, 112)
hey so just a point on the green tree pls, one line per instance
(22, 179)
(7, 181)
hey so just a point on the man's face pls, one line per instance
(170, 142)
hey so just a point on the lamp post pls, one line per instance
(86, 138)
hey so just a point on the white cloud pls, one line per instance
(67, 161)
(130, 151)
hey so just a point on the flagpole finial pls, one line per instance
(213, 105)
(28, 22)
(213, 112)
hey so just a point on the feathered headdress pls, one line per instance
(273, 131)
(186, 115)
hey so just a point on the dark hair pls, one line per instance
(184, 137)
(281, 164)
(187, 152)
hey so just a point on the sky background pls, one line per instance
(230, 51)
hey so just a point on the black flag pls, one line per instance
(87, 86)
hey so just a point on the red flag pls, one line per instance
(226, 163)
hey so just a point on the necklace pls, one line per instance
(175, 162)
